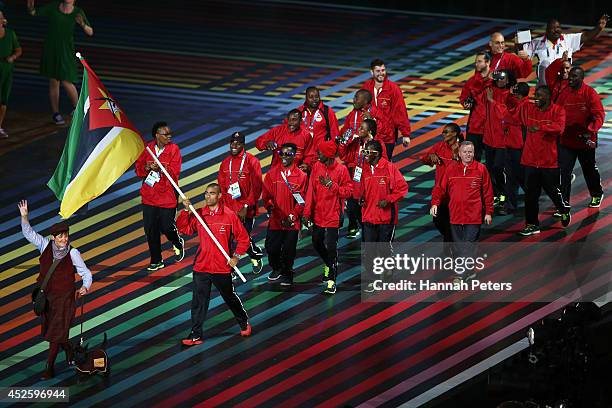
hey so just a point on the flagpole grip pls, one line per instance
(193, 210)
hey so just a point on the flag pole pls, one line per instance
(192, 209)
(176, 187)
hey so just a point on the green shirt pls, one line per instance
(8, 44)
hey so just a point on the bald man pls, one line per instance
(501, 60)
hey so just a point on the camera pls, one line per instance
(499, 75)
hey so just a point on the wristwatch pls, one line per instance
(238, 256)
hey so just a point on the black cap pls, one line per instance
(237, 136)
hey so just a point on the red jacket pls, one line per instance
(521, 68)
(324, 205)
(280, 135)
(540, 149)
(277, 195)
(225, 226)
(392, 107)
(494, 128)
(513, 129)
(584, 113)
(473, 87)
(353, 120)
(553, 79)
(249, 180)
(162, 193)
(383, 181)
(469, 189)
(445, 152)
(316, 126)
(351, 155)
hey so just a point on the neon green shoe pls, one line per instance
(330, 287)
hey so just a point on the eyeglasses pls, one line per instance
(286, 154)
(372, 152)
(165, 134)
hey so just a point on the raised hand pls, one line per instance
(23, 208)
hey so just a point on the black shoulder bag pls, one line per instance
(39, 296)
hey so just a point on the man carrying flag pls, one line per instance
(101, 146)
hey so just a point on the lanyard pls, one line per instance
(159, 151)
(286, 182)
(312, 119)
(499, 61)
(360, 157)
(240, 170)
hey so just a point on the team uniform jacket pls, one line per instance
(553, 79)
(540, 149)
(278, 196)
(469, 188)
(381, 182)
(445, 152)
(280, 135)
(511, 62)
(392, 108)
(474, 87)
(225, 226)
(249, 180)
(162, 193)
(584, 113)
(324, 205)
(314, 123)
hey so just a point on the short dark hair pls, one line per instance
(375, 144)
(456, 128)
(522, 88)
(213, 185)
(551, 21)
(367, 94)
(157, 126)
(486, 54)
(376, 62)
(579, 70)
(294, 112)
(372, 127)
(311, 88)
(292, 146)
(544, 88)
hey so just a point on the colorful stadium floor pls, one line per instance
(210, 69)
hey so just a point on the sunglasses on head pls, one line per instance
(286, 154)
(368, 152)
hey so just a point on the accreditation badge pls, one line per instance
(152, 178)
(298, 198)
(357, 174)
(234, 191)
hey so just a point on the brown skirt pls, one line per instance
(57, 319)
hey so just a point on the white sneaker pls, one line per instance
(58, 119)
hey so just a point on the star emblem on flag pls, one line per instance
(110, 104)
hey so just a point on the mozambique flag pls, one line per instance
(101, 146)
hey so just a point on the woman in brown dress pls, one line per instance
(60, 290)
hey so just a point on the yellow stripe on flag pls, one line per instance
(101, 172)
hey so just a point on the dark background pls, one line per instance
(585, 12)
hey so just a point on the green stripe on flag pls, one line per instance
(65, 168)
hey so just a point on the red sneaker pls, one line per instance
(192, 341)
(246, 332)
